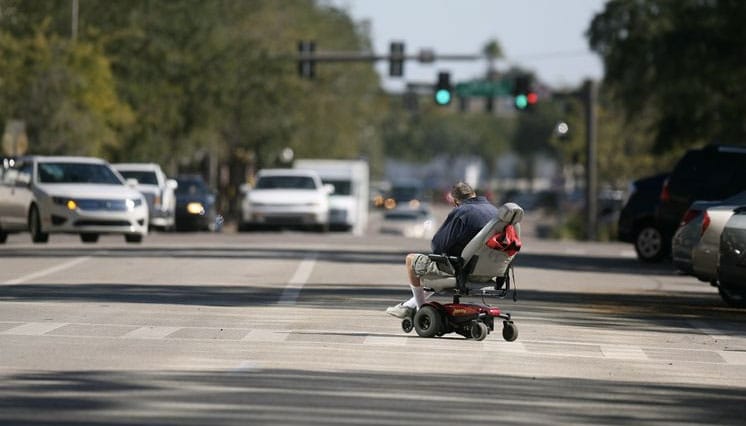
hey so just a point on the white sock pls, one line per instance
(419, 297)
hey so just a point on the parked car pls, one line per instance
(286, 198)
(80, 195)
(196, 208)
(706, 253)
(714, 172)
(159, 191)
(412, 223)
(637, 218)
(689, 234)
(732, 268)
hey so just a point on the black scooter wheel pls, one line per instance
(510, 331)
(427, 321)
(407, 324)
(479, 330)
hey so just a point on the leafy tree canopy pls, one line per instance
(677, 65)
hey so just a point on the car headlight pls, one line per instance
(132, 203)
(67, 202)
(195, 208)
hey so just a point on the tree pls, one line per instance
(64, 92)
(677, 65)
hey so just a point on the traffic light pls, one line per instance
(523, 95)
(396, 59)
(306, 67)
(443, 89)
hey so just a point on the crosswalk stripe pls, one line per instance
(261, 335)
(629, 353)
(151, 332)
(34, 328)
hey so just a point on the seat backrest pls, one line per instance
(490, 262)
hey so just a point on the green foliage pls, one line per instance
(677, 67)
(196, 77)
(64, 93)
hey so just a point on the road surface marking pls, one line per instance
(733, 357)
(385, 340)
(51, 270)
(261, 335)
(703, 327)
(298, 280)
(631, 353)
(151, 332)
(34, 328)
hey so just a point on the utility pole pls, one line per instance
(74, 21)
(590, 94)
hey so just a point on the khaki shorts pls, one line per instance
(425, 268)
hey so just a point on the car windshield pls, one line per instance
(191, 186)
(341, 186)
(143, 177)
(94, 173)
(406, 193)
(285, 182)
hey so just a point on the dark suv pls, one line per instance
(714, 172)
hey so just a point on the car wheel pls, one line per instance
(735, 299)
(649, 244)
(34, 226)
(133, 238)
(88, 237)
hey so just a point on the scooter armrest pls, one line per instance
(448, 264)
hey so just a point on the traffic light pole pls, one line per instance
(590, 94)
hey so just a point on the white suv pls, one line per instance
(286, 198)
(157, 189)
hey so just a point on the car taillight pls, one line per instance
(705, 223)
(665, 194)
(689, 216)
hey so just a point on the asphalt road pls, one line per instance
(289, 328)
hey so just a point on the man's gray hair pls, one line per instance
(462, 191)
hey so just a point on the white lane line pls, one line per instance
(51, 270)
(298, 280)
(151, 332)
(630, 353)
(34, 328)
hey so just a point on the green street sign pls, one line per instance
(484, 88)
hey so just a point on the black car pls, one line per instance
(714, 172)
(195, 205)
(637, 219)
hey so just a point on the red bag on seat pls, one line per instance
(506, 241)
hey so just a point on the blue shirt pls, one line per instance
(461, 225)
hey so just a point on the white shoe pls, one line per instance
(400, 311)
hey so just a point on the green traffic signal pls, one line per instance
(521, 101)
(443, 97)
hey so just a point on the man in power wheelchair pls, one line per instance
(473, 250)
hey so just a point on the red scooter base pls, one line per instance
(472, 321)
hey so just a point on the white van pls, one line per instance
(348, 202)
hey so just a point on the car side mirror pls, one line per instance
(172, 184)
(131, 182)
(244, 188)
(329, 188)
